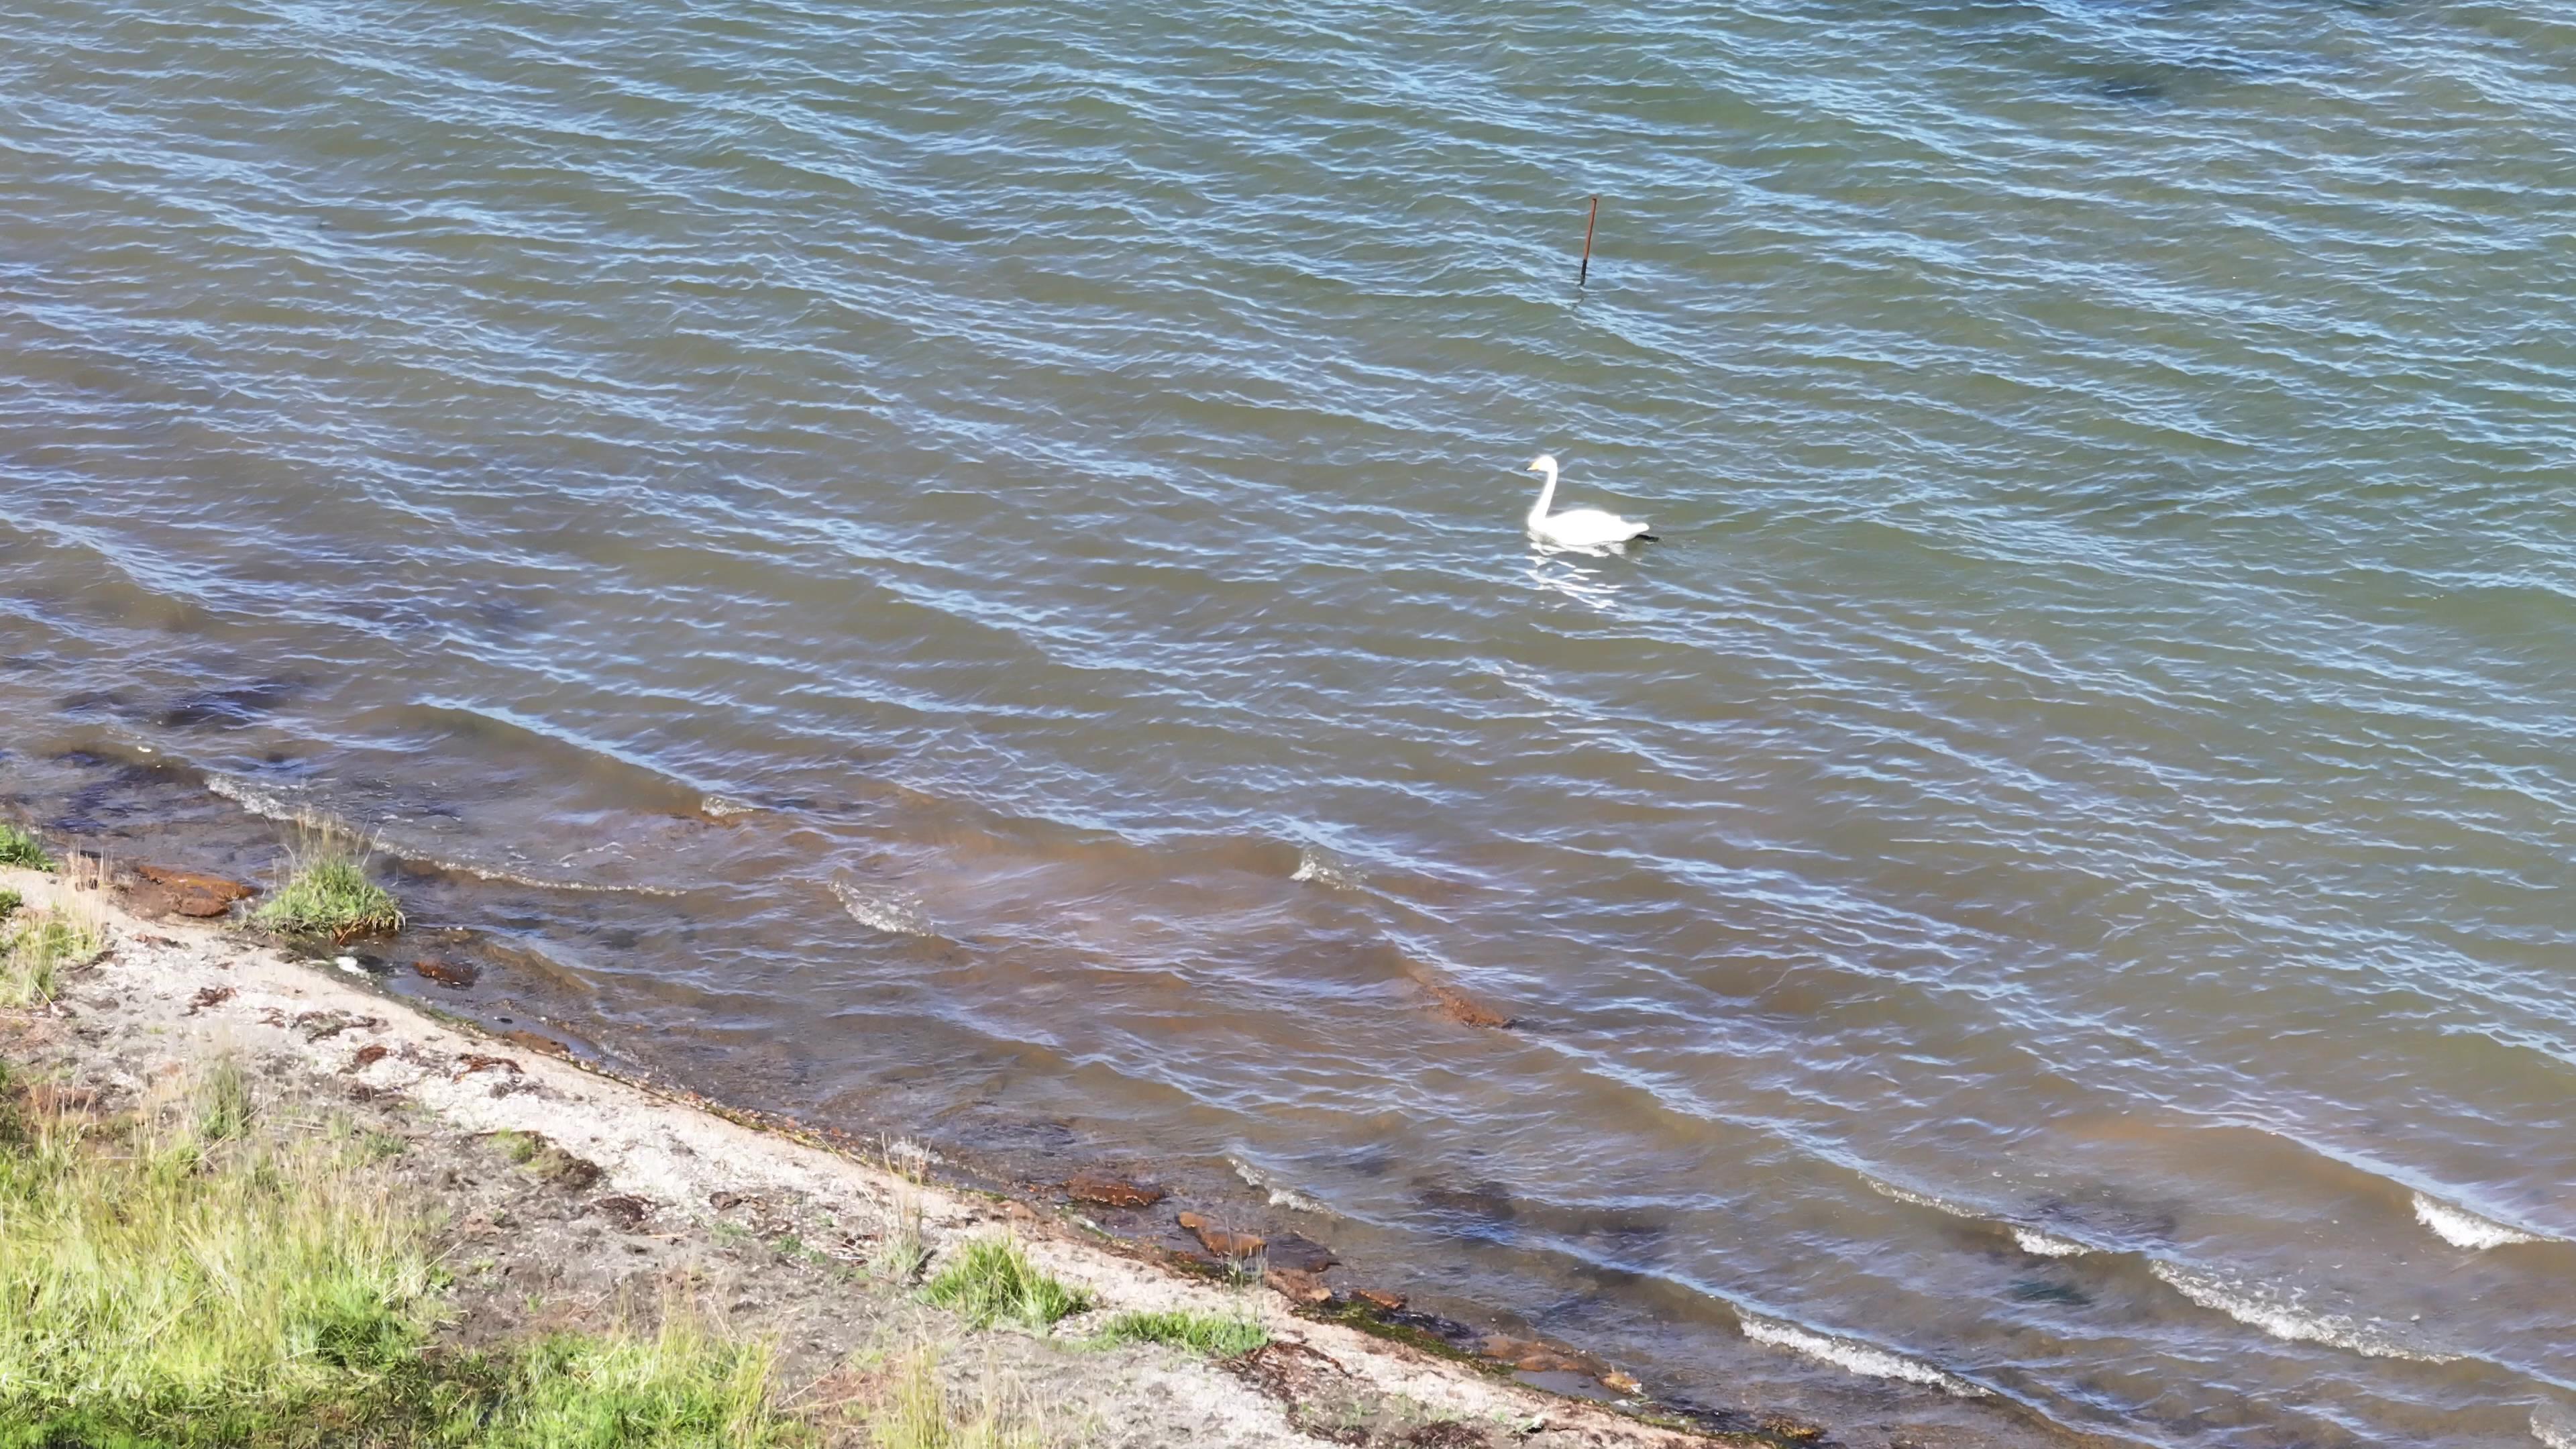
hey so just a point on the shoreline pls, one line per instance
(172, 993)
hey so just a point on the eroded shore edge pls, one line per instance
(171, 992)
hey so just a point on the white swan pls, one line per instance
(1576, 527)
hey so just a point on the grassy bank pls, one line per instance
(39, 945)
(187, 1274)
(246, 1202)
(180, 1275)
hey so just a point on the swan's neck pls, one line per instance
(1546, 495)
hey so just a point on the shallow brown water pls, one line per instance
(958, 569)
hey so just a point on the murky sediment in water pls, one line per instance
(958, 571)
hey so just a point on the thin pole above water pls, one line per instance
(1585, 275)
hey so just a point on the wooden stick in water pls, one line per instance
(1586, 274)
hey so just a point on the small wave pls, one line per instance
(879, 909)
(2464, 1229)
(2047, 1245)
(262, 801)
(2554, 1427)
(1894, 1193)
(1314, 863)
(1282, 1197)
(2283, 1318)
(259, 800)
(2032, 1240)
(725, 807)
(538, 882)
(1860, 1358)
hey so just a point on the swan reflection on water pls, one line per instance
(1588, 584)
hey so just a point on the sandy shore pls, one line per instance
(635, 1190)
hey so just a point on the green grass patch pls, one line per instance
(36, 948)
(327, 893)
(10, 901)
(1217, 1335)
(682, 1386)
(21, 848)
(189, 1277)
(992, 1281)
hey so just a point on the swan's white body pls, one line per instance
(1576, 527)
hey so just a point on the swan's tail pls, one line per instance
(1648, 538)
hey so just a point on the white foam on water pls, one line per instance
(1283, 1197)
(2281, 1316)
(882, 909)
(544, 883)
(2464, 1229)
(722, 807)
(259, 800)
(2554, 1427)
(1921, 1199)
(2048, 1245)
(1314, 863)
(1865, 1359)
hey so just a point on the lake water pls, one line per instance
(958, 569)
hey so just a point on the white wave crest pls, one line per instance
(2464, 1229)
(881, 909)
(2554, 1427)
(1283, 1197)
(1314, 863)
(1859, 1358)
(260, 800)
(544, 883)
(1921, 1199)
(2282, 1316)
(2048, 1245)
(723, 807)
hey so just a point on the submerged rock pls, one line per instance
(171, 890)
(1219, 1241)
(1296, 1286)
(1299, 1253)
(1108, 1191)
(1466, 1010)
(447, 973)
(536, 1043)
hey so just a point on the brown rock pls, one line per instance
(195, 893)
(1382, 1302)
(536, 1043)
(1108, 1191)
(367, 1057)
(447, 973)
(1464, 1009)
(1618, 1382)
(469, 1064)
(209, 996)
(1299, 1253)
(1530, 1356)
(1220, 1242)
(1298, 1287)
